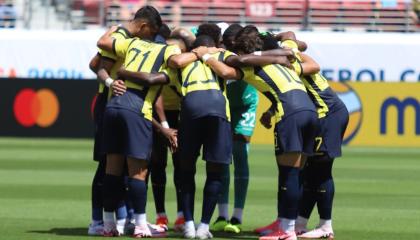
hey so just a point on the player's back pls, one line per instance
(204, 93)
(282, 86)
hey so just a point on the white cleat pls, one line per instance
(318, 233)
(189, 232)
(203, 233)
(110, 230)
(142, 231)
(96, 230)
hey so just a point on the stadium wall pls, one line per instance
(362, 57)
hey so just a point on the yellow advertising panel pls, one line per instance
(381, 114)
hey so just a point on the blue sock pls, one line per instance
(288, 192)
(121, 212)
(113, 192)
(325, 190)
(241, 172)
(97, 192)
(158, 177)
(309, 186)
(224, 192)
(127, 202)
(211, 192)
(177, 181)
(188, 194)
(138, 194)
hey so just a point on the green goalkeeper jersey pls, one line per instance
(241, 94)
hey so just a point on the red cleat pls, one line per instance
(272, 227)
(162, 222)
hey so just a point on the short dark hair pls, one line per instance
(269, 41)
(204, 40)
(229, 35)
(248, 40)
(164, 31)
(210, 29)
(150, 14)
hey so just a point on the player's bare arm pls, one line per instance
(289, 35)
(309, 65)
(107, 41)
(183, 59)
(251, 60)
(118, 87)
(143, 78)
(94, 63)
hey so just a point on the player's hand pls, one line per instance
(172, 136)
(265, 120)
(118, 87)
(287, 64)
(200, 51)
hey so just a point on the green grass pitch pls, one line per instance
(45, 191)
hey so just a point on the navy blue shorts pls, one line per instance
(211, 132)
(160, 143)
(127, 133)
(330, 136)
(98, 117)
(296, 133)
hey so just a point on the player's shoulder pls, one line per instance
(122, 33)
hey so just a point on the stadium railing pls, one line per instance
(332, 15)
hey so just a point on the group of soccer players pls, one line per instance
(160, 87)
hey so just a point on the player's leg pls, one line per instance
(158, 178)
(173, 120)
(217, 151)
(96, 227)
(190, 141)
(294, 139)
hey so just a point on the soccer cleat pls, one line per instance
(279, 235)
(234, 226)
(318, 233)
(179, 224)
(203, 233)
(162, 222)
(142, 231)
(189, 232)
(272, 227)
(219, 224)
(96, 230)
(129, 227)
(110, 230)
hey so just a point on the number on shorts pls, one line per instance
(318, 143)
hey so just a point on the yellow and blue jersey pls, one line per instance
(204, 93)
(172, 92)
(282, 87)
(120, 33)
(142, 56)
(324, 98)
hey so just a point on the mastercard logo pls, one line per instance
(39, 108)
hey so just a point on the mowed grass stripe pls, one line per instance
(45, 191)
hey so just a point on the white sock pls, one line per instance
(287, 225)
(237, 213)
(189, 224)
(140, 219)
(325, 224)
(180, 214)
(301, 222)
(204, 226)
(224, 210)
(95, 222)
(161, 214)
(121, 222)
(109, 217)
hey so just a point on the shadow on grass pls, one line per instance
(63, 231)
(82, 232)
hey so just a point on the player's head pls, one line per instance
(204, 40)
(229, 36)
(212, 30)
(186, 35)
(179, 42)
(248, 40)
(269, 41)
(148, 22)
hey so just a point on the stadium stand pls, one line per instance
(331, 15)
(7, 14)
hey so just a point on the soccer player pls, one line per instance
(295, 129)
(105, 64)
(243, 100)
(318, 182)
(128, 119)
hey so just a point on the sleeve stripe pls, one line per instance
(113, 47)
